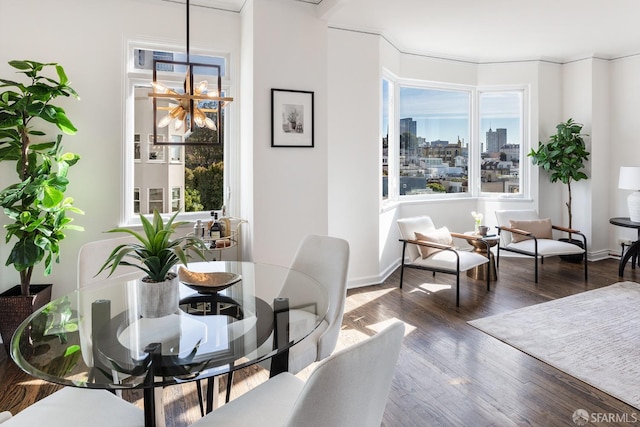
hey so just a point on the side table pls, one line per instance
(480, 272)
(634, 250)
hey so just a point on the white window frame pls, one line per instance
(474, 178)
(134, 77)
(525, 145)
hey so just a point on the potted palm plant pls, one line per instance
(156, 254)
(563, 156)
(36, 204)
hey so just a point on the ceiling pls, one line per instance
(490, 30)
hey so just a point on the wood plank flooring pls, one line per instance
(449, 373)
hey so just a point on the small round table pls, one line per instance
(480, 272)
(634, 250)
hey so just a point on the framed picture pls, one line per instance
(291, 118)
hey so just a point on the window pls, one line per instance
(136, 200)
(449, 141)
(385, 138)
(136, 147)
(501, 139)
(192, 176)
(156, 199)
(175, 199)
(434, 140)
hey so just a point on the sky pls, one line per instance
(444, 114)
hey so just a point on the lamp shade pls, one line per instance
(630, 180)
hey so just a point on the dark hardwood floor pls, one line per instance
(449, 373)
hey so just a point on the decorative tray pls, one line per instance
(207, 283)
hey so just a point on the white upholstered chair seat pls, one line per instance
(447, 260)
(272, 401)
(72, 406)
(547, 247)
(349, 388)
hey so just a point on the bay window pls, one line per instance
(452, 141)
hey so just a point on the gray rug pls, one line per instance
(593, 336)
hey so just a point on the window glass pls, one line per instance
(434, 130)
(156, 199)
(175, 199)
(136, 200)
(501, 133)
(385, 139)
(193, 175)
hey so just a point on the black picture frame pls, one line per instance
(292, 118)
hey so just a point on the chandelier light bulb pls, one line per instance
(165, 121)
(202, 87)
(159, 87)
(199, 117)
(210, 124)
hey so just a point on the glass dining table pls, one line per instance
(95, 337)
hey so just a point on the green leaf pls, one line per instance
(20, 65)
(64, 124)
(51, 196)
(62, 75)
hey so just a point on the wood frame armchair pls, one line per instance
(449, 259)
(535, 246)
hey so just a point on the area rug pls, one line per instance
(593, 336)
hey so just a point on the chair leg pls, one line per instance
(229, 383)
(404, 247)
(536, 268)
(457, 288)
(585, 265)
(200, 399)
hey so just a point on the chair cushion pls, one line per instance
(446, 260)
(504, 216)
(72, 406)
(540, 228)
(408, 228)
(440, 235)
(270, 403)
(547, 247)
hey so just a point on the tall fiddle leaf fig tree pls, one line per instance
(36, 203)
(563, 156)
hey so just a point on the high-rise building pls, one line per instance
(496, 139)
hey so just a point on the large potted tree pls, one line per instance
(36, 204)
(563, 157)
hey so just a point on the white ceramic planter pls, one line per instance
(158, 299)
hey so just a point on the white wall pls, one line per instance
(289, 46)
(623, 140)
(354, 149)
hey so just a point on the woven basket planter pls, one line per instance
(14, 308)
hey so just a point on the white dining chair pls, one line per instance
(92, 256)
(349, 388)
(72, 406)
(325, 259)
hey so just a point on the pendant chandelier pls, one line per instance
(198, 105)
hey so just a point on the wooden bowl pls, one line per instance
(207, 283)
